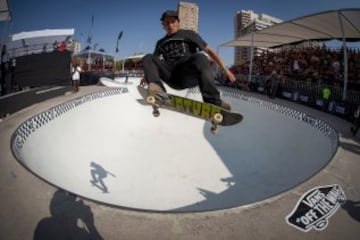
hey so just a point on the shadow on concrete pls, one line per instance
(354, 148)
(98, 174)
(353, 209)
(70, 219)
(250, 180)
(262, 161)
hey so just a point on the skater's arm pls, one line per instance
(220, 62)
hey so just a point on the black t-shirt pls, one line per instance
(179, 46)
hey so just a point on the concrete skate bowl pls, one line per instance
(106, 146)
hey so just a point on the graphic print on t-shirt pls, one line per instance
(174, 49)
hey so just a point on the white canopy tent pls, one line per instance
(335, 24)
(137, 56)
(43, 33)
(91, 55)
(34, 41)
(342, 24)
(94, 53)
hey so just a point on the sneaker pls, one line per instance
(158, 91)
(153, 87)
(225, 105)
(222, 104)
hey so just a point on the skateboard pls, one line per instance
(215, 114)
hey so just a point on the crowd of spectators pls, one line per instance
(312, 64)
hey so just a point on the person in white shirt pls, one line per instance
(76, 70)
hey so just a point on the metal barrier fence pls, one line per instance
(310, 88)
(308, 93)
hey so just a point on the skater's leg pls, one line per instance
(155, 69)
(197, 71)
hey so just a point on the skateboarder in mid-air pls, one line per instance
(179, 60)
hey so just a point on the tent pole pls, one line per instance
(251, 56)
(345, 57)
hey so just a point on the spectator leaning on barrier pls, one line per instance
(4, 67)
(56, 46)
(356, 126)
(275, 82)
(326, 94)
(62, 46)
(267, 87)
(12, 71)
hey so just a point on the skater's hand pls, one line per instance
(143, 82)
(230, 76)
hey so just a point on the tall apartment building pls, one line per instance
(189, 16)
(246, 21)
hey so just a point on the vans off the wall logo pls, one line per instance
(315, 207)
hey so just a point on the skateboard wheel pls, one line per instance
(156, 113)
(214, 129)
(217, 118)
(151, 100)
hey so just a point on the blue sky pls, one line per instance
(139, 19)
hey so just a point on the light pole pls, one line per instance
(117, 46)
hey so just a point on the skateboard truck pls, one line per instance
(215, 120)
(152, 101)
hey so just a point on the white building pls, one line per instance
(189, 16)
(246, 21)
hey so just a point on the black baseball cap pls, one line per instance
(169, 13)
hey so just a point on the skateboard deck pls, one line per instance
(206, 111)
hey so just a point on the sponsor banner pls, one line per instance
(315, 207)
(340, 109)
(287, 94)
(331, 106)
(261, 89)
(304, 98)
(319, 102)
(295, 96)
